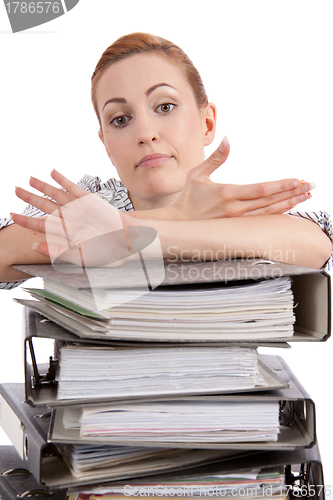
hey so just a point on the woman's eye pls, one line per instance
(165, 108)
(120, 121)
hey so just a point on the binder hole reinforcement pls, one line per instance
(15, 472)
(26, 447)
(35, 493)
(261, 261)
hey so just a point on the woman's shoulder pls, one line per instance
(113, 191)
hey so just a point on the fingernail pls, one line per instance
(307, 186)
(223, 144)
(34, 246)
(295, 184)
(302, 197)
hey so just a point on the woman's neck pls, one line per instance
(152, 203)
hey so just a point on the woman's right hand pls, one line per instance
(81, 228)
(201, 198)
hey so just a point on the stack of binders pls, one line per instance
(167, 389)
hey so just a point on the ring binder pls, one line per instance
(16, 481)
(303, 471)
(299, 432)
(311, 289)
(40, 383)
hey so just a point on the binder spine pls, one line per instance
(307, 483)
(30, 440)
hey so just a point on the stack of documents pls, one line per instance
(247, 485)
(140, 384)
(197, 421)
(101, 462)
(250, 311)
(100, 372)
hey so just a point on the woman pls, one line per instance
(155, 120)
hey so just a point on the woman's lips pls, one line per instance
(154, 160)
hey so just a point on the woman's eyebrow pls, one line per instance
(115, 99)
(154, 87)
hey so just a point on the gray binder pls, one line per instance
(311, 289)
(16, 481)
(302, 468)
(27, 427)
(40, 384)
(299, 415)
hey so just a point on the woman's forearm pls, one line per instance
(280, 238)
(16, 248)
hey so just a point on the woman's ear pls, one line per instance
(100, 135)
(210, 123)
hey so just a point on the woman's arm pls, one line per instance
(16, 248)
(281, 238)
(278, 237)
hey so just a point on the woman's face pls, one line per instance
(151, 127)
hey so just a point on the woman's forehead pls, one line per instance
(138, 73)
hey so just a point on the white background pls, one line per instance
(266, 64)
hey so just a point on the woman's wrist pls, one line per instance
(171, 213)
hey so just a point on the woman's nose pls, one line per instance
(146, 130)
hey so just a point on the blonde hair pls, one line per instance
(138, 43)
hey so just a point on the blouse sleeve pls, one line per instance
(322, 219)
(30, 211)
(10, 285)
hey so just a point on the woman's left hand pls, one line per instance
(201, 198)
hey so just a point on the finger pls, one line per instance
(265, 190)
(216, 159)
(41, 248)
(58, 252)
(50, 224)
(44, 204)
(59, 195)
(280, 207)
(291, 198)
(68, 185)
(35, 223)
